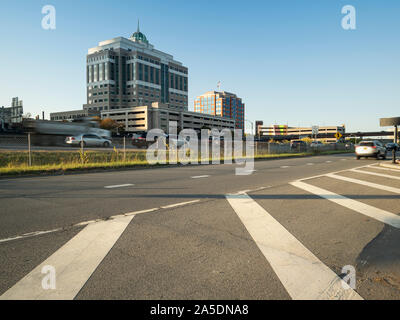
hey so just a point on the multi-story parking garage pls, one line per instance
(158, 115)
(284, 132)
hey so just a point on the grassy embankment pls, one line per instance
(47, 162)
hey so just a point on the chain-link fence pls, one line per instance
(21, 150)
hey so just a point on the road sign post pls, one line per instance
(29, 150)
(315, 130)
(338, 135)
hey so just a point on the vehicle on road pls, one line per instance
(139, 140)
(299, 145)
(88, 140)
(53, 133)
(349, 145)
(370, 149)
(178, 142)
(316, 144)
(392, 146)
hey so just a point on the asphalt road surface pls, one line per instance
(292, 229)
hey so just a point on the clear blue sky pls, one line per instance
(290, 61)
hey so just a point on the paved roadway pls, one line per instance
(201, 232)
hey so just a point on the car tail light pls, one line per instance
(374, 147)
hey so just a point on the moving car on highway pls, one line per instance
(370, 149)
(139, 140)
(89, 140)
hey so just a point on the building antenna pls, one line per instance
(138, 29)
(219, 85)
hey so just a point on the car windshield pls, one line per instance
(366, 144)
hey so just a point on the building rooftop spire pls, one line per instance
(138, 36)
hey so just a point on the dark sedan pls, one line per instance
(392, 146)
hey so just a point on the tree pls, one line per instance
(108, 124)
(307, 140)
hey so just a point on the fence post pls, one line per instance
(82, 155)
(29, 149)
(124, 150)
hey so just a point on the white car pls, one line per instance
(88, 140)
(370, 149)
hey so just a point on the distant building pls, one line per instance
(223, 104)
(131, 82)
(74, 114)
(17, 110)
(125, 73)
(158, 116)
(325, 133)
(5, 118)
(11, 115)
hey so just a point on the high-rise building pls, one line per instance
(124, 73)
(223, 104)
(17, 110)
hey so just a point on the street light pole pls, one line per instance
(396, 136)
(252, 128)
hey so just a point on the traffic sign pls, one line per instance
(338, 135)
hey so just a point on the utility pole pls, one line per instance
(396, 138)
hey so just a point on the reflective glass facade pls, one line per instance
(222, 104)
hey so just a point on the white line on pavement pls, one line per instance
(324, 174)
(30, 234)
(364, 183)
(85, 223)
(199, 177)
(179, 204)
(310, 164)
(381, 168)
(302, 274)
(376, 174)
(284, 167)
(365, 209)
(251, 190)
(119, 186)
(73, 263)
(329, 161)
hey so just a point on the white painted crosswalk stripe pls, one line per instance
(365, 209)
(199, 177)
(376, 174)
(365, 183)
(382, 168)
(74, 263)
(302, 274)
